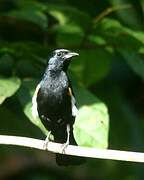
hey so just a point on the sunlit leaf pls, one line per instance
(91, 126)
(8, 86)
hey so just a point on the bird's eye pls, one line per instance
(59, 54)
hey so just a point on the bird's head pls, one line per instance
(60, 59)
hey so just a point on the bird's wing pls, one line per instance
(34, 102)
(73, 101)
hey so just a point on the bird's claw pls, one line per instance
(47, 140)
(45, 145)
(64, 146)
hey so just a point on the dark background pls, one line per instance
(109, 35)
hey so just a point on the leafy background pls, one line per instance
(107, 77)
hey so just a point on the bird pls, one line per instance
(54, 103)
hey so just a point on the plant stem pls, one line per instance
(74, 150)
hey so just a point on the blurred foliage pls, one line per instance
(108, 79)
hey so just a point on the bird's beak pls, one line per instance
(70, 54)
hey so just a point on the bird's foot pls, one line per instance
(47, 140)
(64, 146)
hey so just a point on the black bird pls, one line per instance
(54, 103)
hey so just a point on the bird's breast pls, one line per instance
(53, 90)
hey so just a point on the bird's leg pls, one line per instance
(45, 145)
(68, 137)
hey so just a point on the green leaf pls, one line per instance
(31, 11)
(91, 66)
(8, 86)
(24, 49)
(31, 4)
(36, 17)
(96, 40)
(29, 68)
(69, 35)
(134, 60)
(118, 35)
(125, 40)
(69, 15)
(6, 64)
(71, 26)
(128, 12)
(91, 126)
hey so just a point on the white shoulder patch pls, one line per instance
(74, 108)
(34, 102)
